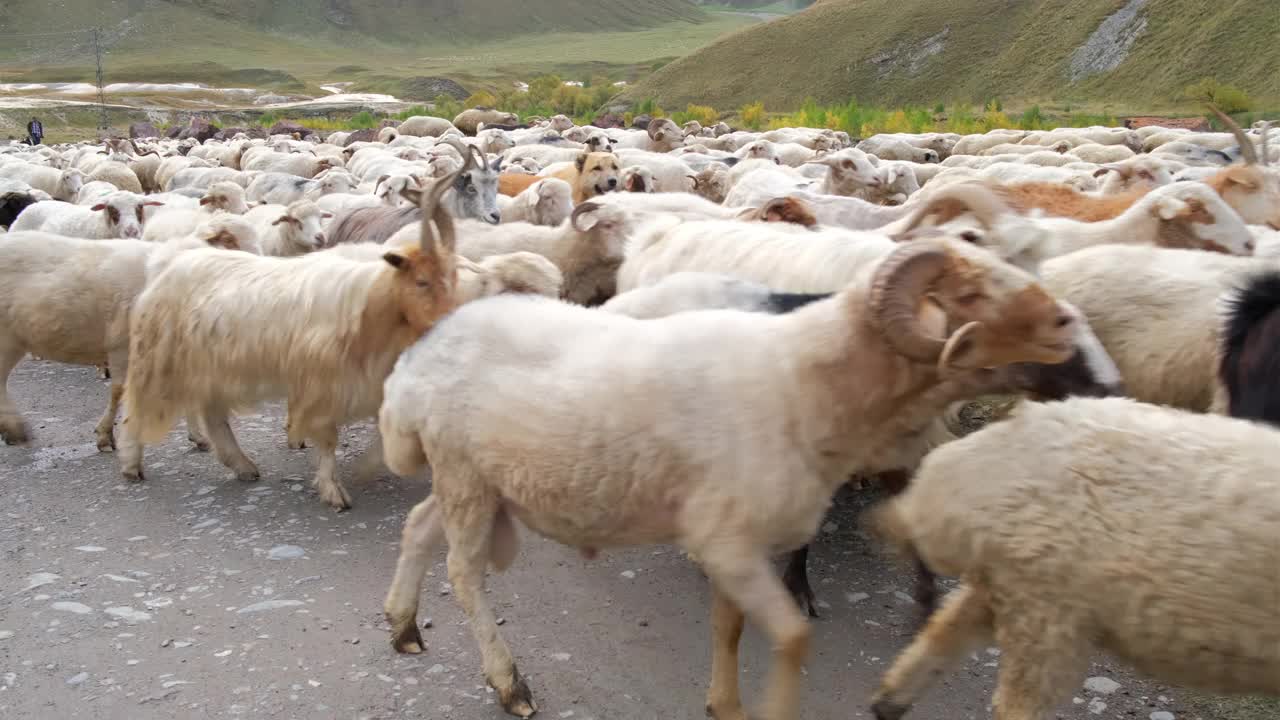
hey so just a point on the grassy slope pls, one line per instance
(1005, 48)
(174, 42)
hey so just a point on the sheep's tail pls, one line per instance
(1249, 348)
(887, 522)
(650, 233)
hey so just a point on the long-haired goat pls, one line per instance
(215, 333)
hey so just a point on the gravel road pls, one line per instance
(191, 595)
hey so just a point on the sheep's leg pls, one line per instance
(964, 621)
(423, 531)
(197, 434)
(724, 701)
(796, 578)
(331, 491)
(226, 448)
(1043, 656)
(105, 430)
(12, 428)
(370, 461)
(747, 577)
(297, 440)
(469, 528)
(130, 450)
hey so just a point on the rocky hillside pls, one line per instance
(926, 51)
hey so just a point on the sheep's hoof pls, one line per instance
(405, 637)
(335, 496)
(735, 713)
(133, 476)
(885, 710)
(106, 441)
(249, 476)
(297, 444)
(517, 700)
(797, 581)
(201, 444)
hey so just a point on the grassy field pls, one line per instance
(876, 51)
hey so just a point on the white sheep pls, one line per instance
(282, 188)
(887, 147)
(583, 426)
(668, 173)
(294, 229)
(305, 165)
(119, 215)
(60, 184)
(213, 333)
(118, 174)
(68, 300)
(546, 202)
(173, 222)
(1096, 524)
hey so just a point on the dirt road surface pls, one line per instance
(191, 595)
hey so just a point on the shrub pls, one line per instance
(753, 115)
(1228, 98)
(480, 98)
(702, 113)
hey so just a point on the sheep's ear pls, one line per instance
(964, 350)
(382, 180)
(206, 200)
(282, 218)
(326, 215)
(1242, 177)
(1170, 208)
(154, 203)
(99, 207)
(580, 162)
(395, 259)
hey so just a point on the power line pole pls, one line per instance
(102, 93)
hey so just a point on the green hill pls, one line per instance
(894, 52)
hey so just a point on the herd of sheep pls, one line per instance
(695, 335)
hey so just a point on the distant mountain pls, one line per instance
(392, 21)
(924, 51)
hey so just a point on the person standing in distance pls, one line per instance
(35, 132)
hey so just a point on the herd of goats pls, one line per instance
(695, 335)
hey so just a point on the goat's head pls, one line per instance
(851, 167)
(598, 173)
(304, 225)
(125, 213)
(1193, 215)
(1253, 189)
(475, 185)
(426, 275)
(963, 309)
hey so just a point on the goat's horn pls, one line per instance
(433, 210)
(895, 293)
(1266, 156)
(468, 157)
(1247, 150)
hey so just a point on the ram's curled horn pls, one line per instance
(896, 288)
(1247, 150)
(579, 210)
(977, 198)
(432, 209)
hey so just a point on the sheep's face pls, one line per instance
(72, 180)
(638, 179)
(599, 142)
(758, 150)
(477, 193)
(598, 173)
(229, 233)
(561, 123)
(712, 183)
(495, 141)
(226, 199)
(125, 214)
(666, 132)
(607, 227)
(305, 225)
(390, 189)
(1018, 321)
(335, 182)
(852, 168)
(1193, 215)
(554, 201)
